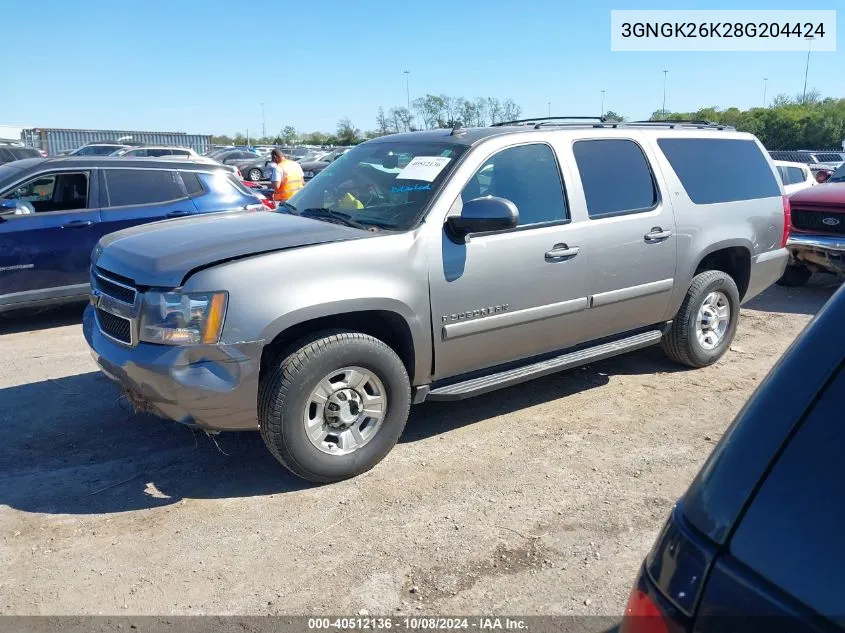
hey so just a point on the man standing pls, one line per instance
(286, 176)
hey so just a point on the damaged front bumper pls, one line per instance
(818, 252)
(214, 387)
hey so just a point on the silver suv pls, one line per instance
(438, 265)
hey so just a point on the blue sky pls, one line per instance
(205, 66)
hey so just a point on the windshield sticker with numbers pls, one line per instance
(423, 168)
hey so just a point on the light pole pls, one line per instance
(407, 74)
(549, 103)
(263, 122)
(807, 67)
(602, 103)
(665, 72)
(765, 85)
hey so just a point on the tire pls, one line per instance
(285, 400)
(255, 174)
(681, 343)
(795, 276)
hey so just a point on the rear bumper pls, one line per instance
(826, 252)
(766, 269)
(214, 387)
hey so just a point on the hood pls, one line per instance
(826, 195)
(164, 253)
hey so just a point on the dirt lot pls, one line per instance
(540, 499)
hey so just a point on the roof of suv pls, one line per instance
(170, 162)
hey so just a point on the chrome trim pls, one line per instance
(133, 337)
(631, 292)
(116, 283)
(509, 319)
(822, 242)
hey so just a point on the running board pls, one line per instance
(508, 377)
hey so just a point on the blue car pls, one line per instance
(53, 211)
(756, 543)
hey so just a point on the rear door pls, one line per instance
(46, 252)
(137, 195)
(220, 192)
(629, 236)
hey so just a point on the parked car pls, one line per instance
(817, 240)
(312, 168)
(794, 176)
(53, 211)
(98, 149)
(155, 151)
(9, 153)
(822, 164)
(250, 165)
(478, 265)
(755, 544)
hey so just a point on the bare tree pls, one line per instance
(510, 110)
(382, 123)
(480, 112)
(494, 110)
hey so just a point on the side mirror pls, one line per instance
(484, 214)
(13, 206)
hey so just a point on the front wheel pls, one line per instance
(255, 174)
(335, 406)
(705, 325)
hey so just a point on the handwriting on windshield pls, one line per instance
(407, 188)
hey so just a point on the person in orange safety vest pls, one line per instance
(286, 176)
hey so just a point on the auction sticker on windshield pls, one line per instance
(423, 168)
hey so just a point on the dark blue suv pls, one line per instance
(757, 543)
(53, 211)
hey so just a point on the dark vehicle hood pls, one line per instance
(164, 253)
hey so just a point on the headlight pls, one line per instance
(308, 173)
(173, 318)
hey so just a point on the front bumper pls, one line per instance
(826, 252)
(214, 387)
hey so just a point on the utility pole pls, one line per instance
(602, 103)
(407, 74)
(765, 85)
(665, 72)
(807, 67)
(263, 122)
(247, 137)
(549, 103)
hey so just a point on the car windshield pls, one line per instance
(381, 185)
(96, 150)
(838, 175)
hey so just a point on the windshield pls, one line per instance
(383, 185)
(838, 175)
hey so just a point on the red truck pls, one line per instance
(817, 239)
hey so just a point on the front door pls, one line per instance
(512, 294)
(48, 229)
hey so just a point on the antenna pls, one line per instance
(457, 128)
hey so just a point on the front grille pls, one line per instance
(115, 287)
(114, 326)
(815, 221)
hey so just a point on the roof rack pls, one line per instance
(547, 120)
(699, 123)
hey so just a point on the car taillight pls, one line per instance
(642, 615)
(822, 176)
(270, 204)
(787, 221)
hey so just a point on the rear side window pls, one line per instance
(795, 175)
(23, 152)
(720, 170)
(792, 533)
(192, 182)
(616, 177)
(128, 187)
(526, 175)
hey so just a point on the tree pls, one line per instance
(510, 110)
(382, 123)
(347, 134)
(430, 110)
(401, 119)
(288, 135)
(610, 115)
(494, 110)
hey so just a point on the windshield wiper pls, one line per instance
(332, 215)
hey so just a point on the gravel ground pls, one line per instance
(539, 499)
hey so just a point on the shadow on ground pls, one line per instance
(807, 299)
(34, 319)
(71, 446)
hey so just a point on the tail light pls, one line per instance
(270, 204)
(822, 176)
(787, 221)
(642, 615)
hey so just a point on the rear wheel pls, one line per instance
(335, 406)
(705, 325)
(255, 174)
(795, 276)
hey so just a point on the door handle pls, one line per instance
(178, 214)
(561, 251)
(656, 235)
(75, 224)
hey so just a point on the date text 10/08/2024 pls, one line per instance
(418, 623)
